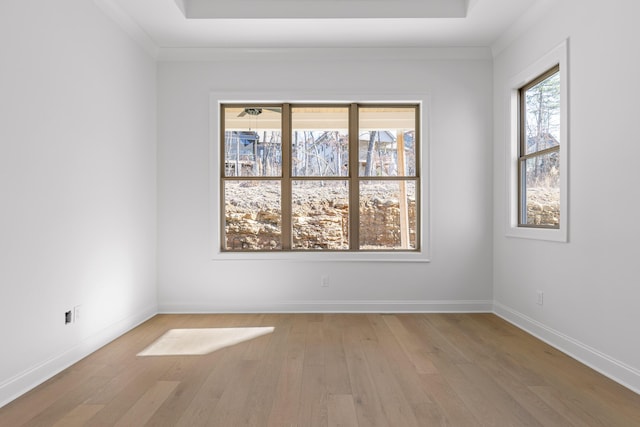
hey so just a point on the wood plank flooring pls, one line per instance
(332, 370)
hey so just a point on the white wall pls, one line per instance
(78, 198)
(460, 273)
(77, 186)
(590, 284)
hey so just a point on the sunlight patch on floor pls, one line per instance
(183, 342)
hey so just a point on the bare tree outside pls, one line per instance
(540, 166)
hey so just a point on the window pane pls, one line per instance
(320, 214)
(542, 117)
(388, 214)
(387, 145)
(541, 189)
(252, 215)
(320, 141)
(252, 141)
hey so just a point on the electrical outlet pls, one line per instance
(540, 298)
(324, 281)
(68, 317)
(77, 313)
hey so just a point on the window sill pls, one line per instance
(311, 256)
(548, 234)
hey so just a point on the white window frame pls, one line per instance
(557, 56)
(219, 98)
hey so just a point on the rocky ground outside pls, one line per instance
(543, 206)
(319, 217)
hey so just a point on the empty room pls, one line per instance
(332, 213)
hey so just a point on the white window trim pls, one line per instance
(218, 98)
(556, 56)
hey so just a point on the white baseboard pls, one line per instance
(603, 363)
(394, 306)
(606, 365)
(36, 375)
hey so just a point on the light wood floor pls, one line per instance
(332, 370)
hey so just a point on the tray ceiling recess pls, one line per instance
(322, 9)
(181, 29)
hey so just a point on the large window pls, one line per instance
(303, 177)
(539, 152)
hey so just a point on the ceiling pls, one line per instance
(320, 23)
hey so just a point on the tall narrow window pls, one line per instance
(539, 152)
(319, 187)
(319, 177)
(388, 177)
(252, 178)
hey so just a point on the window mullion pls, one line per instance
(540, 153)
(418, 163)
(286, 178)
(354, 183)
(222, 225)
(521, 199)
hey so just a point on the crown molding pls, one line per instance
(322, 54)
(532, 16)
(181, 5)
(113, 10)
